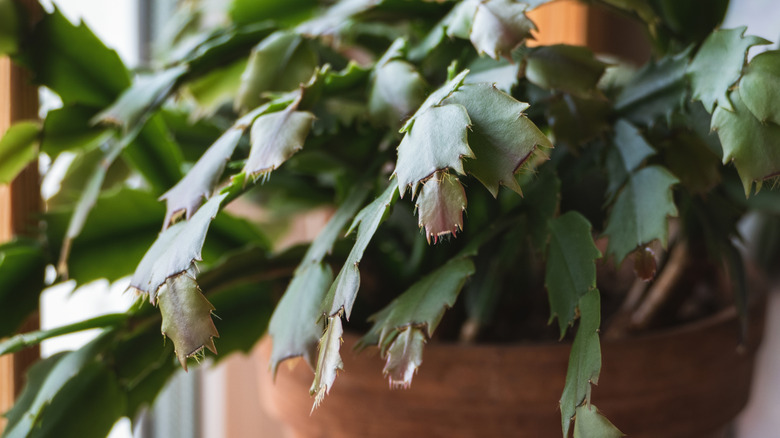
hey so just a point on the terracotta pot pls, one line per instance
(688, 382)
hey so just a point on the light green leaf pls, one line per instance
(502, 73)
(422, 305)
(501, 137)
(218, 87)
(295, 325)
(655, 90)
(328, 361)
(436, 98)
(275, 137)
(440, 206)
(28, 339)
(402, 327)
(74, 63)
(18, 148)
(10, 18)
(760, 87)
(751, 145)
(584, 360)
(186, 317)
(144, 96)
(175, 250)
(281, 62)
(640, 212)
(629, 150)
(590, 423)
(397, 89)
(718, 65)
(460, 19)
(188, 194)
(436, 141)
(22, 265)
(572, 69)
(404, 357)
(571, 266)
(499, 26)
(342, 293)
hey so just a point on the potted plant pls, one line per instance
(463, 168)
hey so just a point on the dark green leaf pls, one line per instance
(641, 211)
(281, 62)
(436, 141)
(69, 385)
(144, 96)
(74, 63)
(120, 228)
(342, 293)
(499, 26)
(35, 377)
(655, 90)
(18, 148)
(584, 360)
(590, 423)
(572, 69)
(69, 129)
(296, 323)
(10, 24)
(397, 89)
(186, 317)
(175, 250)
(155, 155)
(575, 121)
(22, 265)
(751, 145)
(629, 151)
(501, 137)
(718, 65)
(571, 266)
(276, 137)
(542, 196)
(683, 148)
(86, 201)
(252, 11)
(760, 87)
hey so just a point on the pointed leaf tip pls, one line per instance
(329, 361)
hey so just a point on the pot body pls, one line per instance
(684, 383)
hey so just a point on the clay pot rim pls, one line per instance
(724, 316)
